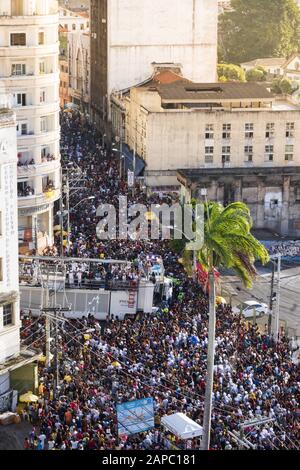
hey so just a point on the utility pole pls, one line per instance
(61, 217)
(47, 326)
(271, 300)
(277, 315)
(68, 213)
(134, 166)
(194, 265)
(55, 311)
(210, 362)
(56, 369)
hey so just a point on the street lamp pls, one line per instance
(90, 198)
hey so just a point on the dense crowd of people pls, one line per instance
(286, 248)
(162, 355)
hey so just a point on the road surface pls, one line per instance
(289, 296)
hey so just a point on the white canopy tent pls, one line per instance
(182, 426)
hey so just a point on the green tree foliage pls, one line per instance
(257, 74)
(228, 241)
(231, 73)
(259, 28)
(282, 86)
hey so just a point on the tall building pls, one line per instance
(9, 280)
(29, 70)
(236, 139)
(130, 37)
(74, 59)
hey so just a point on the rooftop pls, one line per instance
(166, 77)
(211, 92)
(266, 61)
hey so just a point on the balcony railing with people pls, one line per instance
(31, 168)
(26, 191)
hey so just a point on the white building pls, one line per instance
(277, 66)
(73, 20)
(29, 70)
(9, 280)
(129, 36)
(75, 28)
(189, 125)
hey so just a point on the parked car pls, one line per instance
(251, 307)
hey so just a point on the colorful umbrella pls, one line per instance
(28, 397)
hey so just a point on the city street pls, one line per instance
(289, 296)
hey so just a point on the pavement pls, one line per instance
(12, 435)
(289, 296)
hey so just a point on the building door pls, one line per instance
(228, 194)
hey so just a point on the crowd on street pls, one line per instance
(162, 355)
(286, 248)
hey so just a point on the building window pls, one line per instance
(22, 128)
(17, 8)
(42, 96)
(82, 26)
(18, 69)
(269, 153)
(226, 131)
(1, 270)
(74, 27)
(209, 154)
(42, 67)
(290, 129)
(41, 38)
(209, 131)
(8, 310)
(248, 153)
(289, 153)
(43, 124)
(249, 130)
(270, 130)
(18, 39)
(21, 99)
(225, 154)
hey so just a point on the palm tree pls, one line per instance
(228, 243)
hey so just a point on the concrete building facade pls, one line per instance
(129, 36)
(272, 194)
(217, 130)
(9, 279)
(29, 71)
(75, 58)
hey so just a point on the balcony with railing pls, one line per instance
(23, 8)
(30, 168)
(32, 200)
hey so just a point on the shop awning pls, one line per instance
(139, 162)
